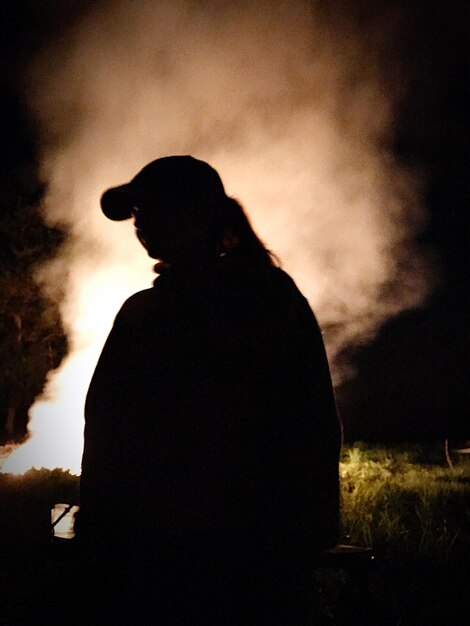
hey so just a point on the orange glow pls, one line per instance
(297, 126)
(56, 419)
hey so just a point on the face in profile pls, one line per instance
(169, 232)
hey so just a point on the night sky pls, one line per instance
(412, 381)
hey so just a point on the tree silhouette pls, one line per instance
(32, 339)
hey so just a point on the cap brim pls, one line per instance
(117, 202)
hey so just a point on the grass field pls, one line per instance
(414, 511)
(404, 502)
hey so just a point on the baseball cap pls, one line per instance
(182, 178)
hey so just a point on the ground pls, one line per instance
(406, 504)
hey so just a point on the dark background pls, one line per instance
(412, 382)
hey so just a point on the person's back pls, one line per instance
(212, 443)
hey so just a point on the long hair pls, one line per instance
(232, 217)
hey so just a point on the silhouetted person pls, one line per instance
(209, 480)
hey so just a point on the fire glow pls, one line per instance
(298, 128)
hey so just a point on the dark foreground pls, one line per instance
(406, 504)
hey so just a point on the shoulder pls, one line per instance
(139, 299)
(136, 305)
(285, 281)
(285, 288)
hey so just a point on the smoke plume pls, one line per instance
(294, 111)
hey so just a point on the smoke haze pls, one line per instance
(294, 112)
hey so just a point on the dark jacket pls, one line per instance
(211, 406)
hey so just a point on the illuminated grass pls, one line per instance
(395, 499)
(414, 511)
(403, 501)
